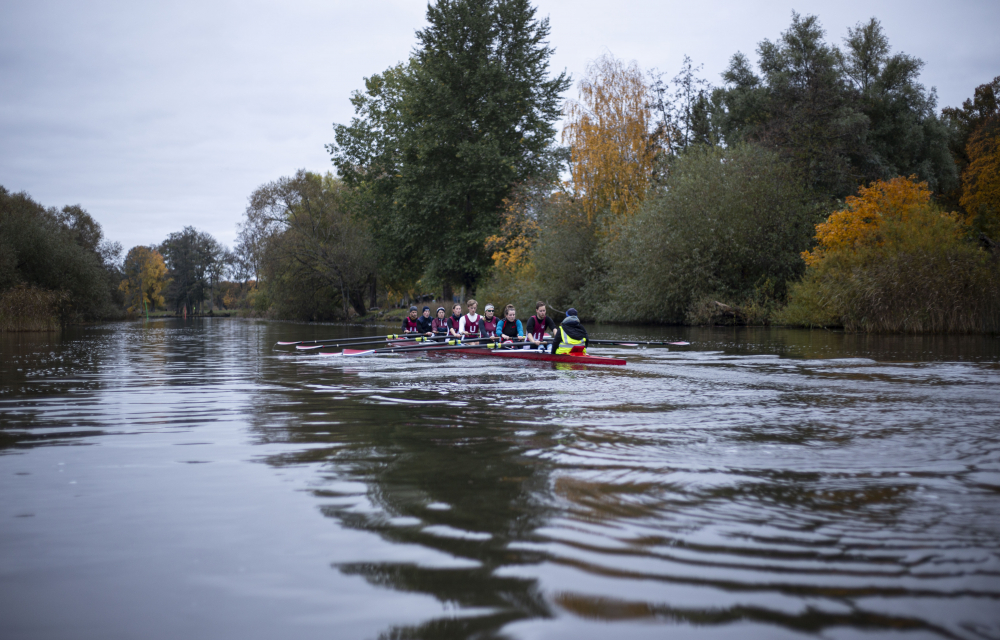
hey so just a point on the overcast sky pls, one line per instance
(153, 116)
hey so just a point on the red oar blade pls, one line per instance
(679, 344)
(357, 352)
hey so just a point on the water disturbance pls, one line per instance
(177, 479)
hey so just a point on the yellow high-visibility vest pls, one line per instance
(569, 345)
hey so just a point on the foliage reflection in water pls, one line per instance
(766, 483)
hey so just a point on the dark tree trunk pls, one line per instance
(448, 296)
(356, 296)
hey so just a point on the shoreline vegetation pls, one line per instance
(816, 186)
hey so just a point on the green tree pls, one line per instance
(58, 250)
(904, 136)
(311, 245)
(843, 117)
(799, 105)
(468, 117)
(190, 255)
(367, 156)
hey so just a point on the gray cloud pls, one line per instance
(153, 117)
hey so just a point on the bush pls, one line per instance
(725, 223)
(893, 261)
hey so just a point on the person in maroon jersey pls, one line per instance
(440, 324)
(468, 326)
(488, 323)
(454, 320)
(539, 326)
(410, 322)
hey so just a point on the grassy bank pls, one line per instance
(26, 308)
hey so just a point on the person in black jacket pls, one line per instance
(571, 337)
(424, 323)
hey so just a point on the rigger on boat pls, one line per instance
(475, 335)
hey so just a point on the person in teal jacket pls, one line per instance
(510, 328)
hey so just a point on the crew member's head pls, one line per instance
(540, 309)
(489, 311)
(509, 313)
(456, 310)
(440, 312)
(471, 305)
(427, 312)
(413, 313)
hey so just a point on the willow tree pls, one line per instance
(611, 149)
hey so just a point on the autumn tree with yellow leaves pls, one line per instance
(145, 278)
(893, 260)
(612, 151)
(981, 178)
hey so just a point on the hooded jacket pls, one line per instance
(571, 325)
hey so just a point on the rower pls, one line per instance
(440, 324)
(571, 339)
(539, 326)
(468, 326)
(454, 320)
(510, 329)
(410, 322)
(425, 323)
(488, 323)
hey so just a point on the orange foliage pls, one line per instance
(981, 178)
(145, 277)
(512, 244)
(858, 225)
(611, 150)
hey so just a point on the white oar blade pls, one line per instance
(330, 354)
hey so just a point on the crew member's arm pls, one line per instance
(529, 331)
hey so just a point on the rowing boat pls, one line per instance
(519, 354)
(527, 354)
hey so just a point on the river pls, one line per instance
(185, 479)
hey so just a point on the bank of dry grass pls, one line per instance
(25, 308)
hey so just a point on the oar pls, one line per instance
(391, 336)
(408, 339)
(451, 345)
(623, 343)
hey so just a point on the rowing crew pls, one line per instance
(541, 332)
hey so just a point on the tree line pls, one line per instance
(665, 199)
(816, 184)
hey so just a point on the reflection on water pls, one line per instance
(761, 483)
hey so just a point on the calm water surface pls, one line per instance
(187, 480)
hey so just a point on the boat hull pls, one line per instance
(526, 354)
